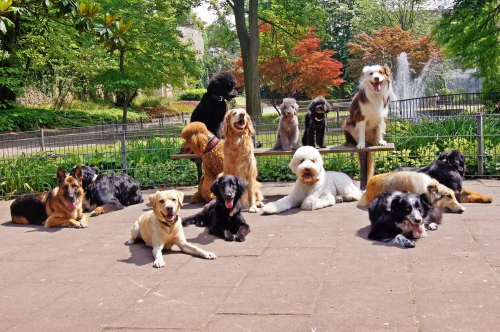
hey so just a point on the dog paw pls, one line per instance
(81, 225)
(131, 241)
(322, 146)
(240, 238)
(253, 209)
(228, 236)
(159, 263)
(94, 213)
(432, 226)
(409, 244)
(382, 142)
(361, 145)
(269, 209)
(259, 204)
(209, 255)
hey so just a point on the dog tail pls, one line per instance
(363, 201)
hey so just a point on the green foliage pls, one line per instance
(470, 35)
(152, 101)
(10, 78)
(27, 119)
(193, 94)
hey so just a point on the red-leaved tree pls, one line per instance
(287, 64)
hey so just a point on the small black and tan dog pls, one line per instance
(108, 192)
(223, 215)
(315, 122)
(59, 207)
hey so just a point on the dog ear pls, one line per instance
(214, 188)
(94, 169)
(296, 106)
(78, 173)
(387, 71)
(180, 196)
(61, 175)
(249, 124)
(328, 106)
(444, 155)
(432, 189)
(152, 198)
(242, 186)
(311, 106)
(426, 201)
(225, 124)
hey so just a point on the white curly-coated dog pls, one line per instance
(314, 188)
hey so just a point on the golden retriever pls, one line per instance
(238, 156)
(418, 183)
(162, 227)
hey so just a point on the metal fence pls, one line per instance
(420, 129)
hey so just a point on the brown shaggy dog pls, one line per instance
(202, 142)
(238, 156)
(418, 183)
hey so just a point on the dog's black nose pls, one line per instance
(169, 208)
(307, 169)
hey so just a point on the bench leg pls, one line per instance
(362, 164)
(198, 162)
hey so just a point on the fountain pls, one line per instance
(406, 89)
(404, 86)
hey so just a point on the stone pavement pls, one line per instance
(298, 271)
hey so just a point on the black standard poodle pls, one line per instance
(316, 122)
(212, 107)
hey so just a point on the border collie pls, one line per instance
(398, 216)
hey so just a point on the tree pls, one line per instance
(418, 15)
(383, 47)
(470, 33)
(249, 43)
(296, 65)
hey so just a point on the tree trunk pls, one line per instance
(249, 43)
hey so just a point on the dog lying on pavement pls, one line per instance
(223, 215)
(108, 192)
(162, 227)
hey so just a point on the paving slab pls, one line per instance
(296, 271)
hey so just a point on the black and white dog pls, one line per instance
(223, 215)
(108, 192)
(398, 216)
(315, 122)
(288, 128)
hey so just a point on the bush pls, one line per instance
(193, 94)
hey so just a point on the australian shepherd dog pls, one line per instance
(368, 111)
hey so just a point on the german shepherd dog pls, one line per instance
(59, 207)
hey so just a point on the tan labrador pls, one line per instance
(162, 227)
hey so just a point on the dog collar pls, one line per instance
(319, 120)
(311, 182)
(218, 98)
(168, 224)
(212, 142)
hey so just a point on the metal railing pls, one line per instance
(142, 150)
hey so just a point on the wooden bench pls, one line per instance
(328, 149)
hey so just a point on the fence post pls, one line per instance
(42, 142)
(124, 151)
(480, 141)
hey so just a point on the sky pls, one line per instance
(204, 14)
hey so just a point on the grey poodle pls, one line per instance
(288, 129)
